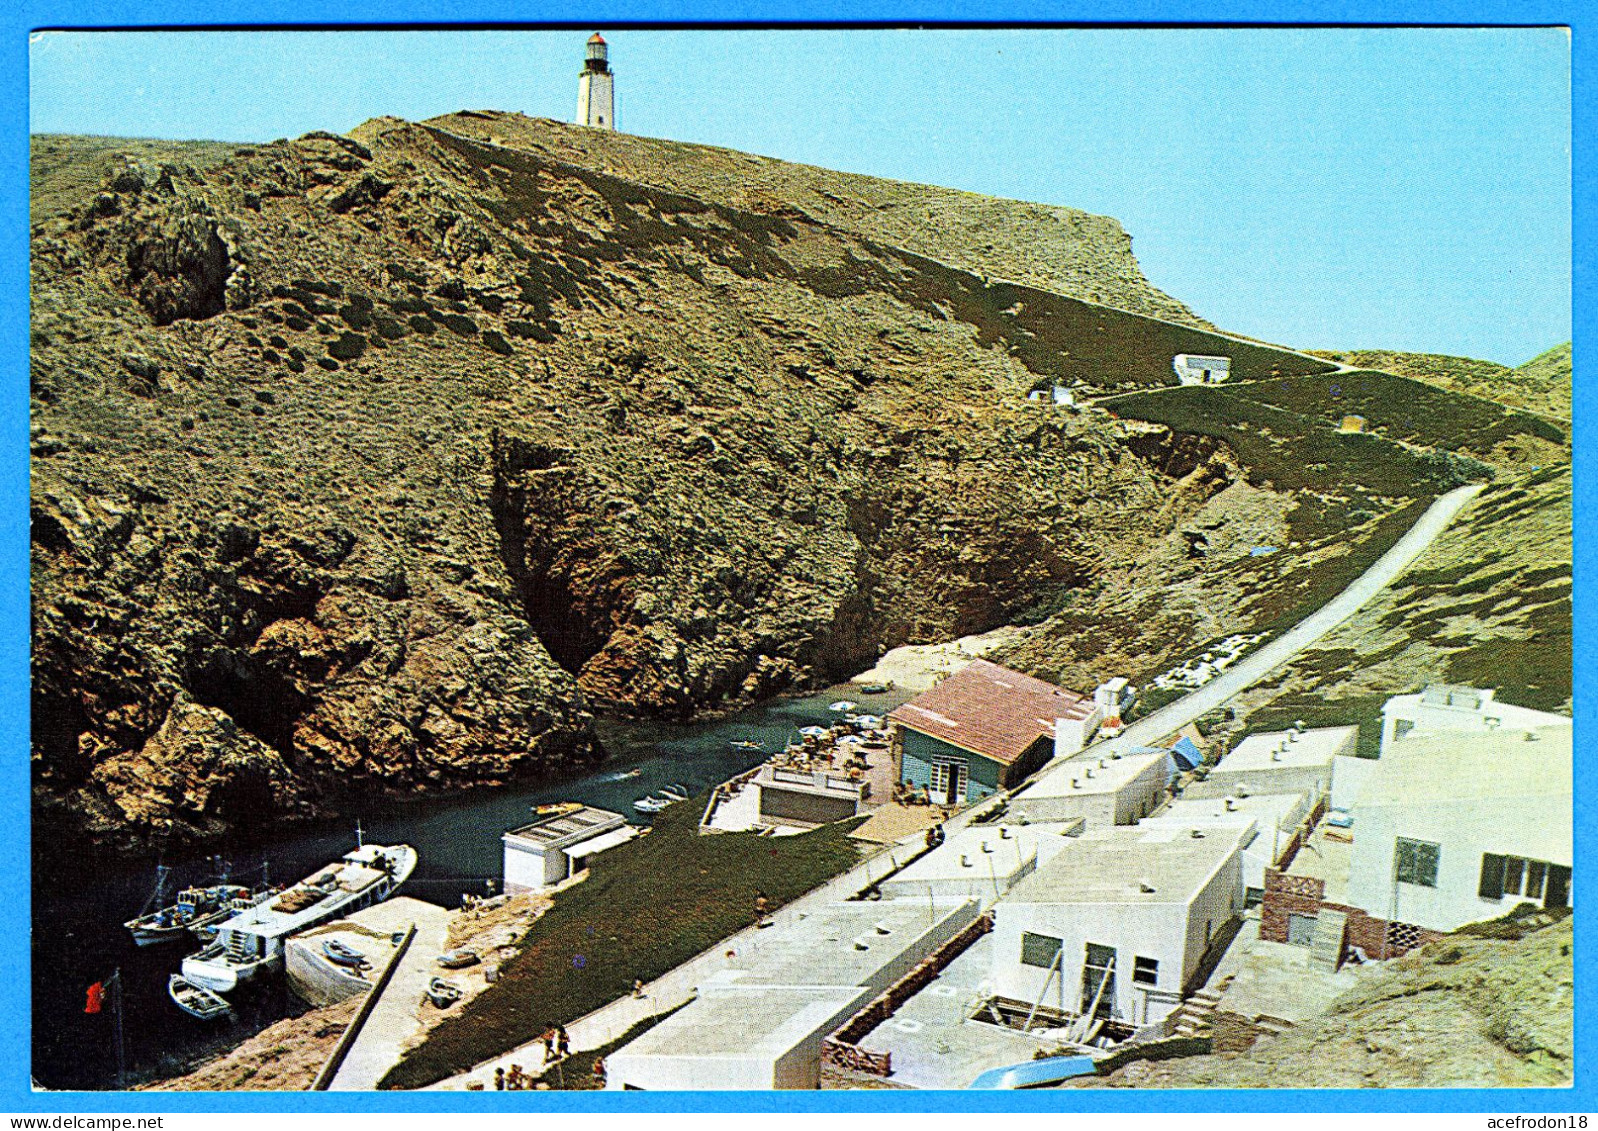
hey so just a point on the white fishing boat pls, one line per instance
(195, 1000)
(650, 804)
(196, 908)
(251, 942)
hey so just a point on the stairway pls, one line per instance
(1326, 948)
(1196, 1014)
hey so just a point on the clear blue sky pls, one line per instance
(1405, 189)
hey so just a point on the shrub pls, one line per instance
(348, 347)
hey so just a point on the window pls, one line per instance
(1532, 880)
(1415, 862)
(1145, 971)
(1039, 950)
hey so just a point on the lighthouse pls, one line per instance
(596, 88)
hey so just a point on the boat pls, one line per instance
(442, 993)
(842, 705)
(195, 909)
(1034, 1073)
(344, 955)
(556, 808)
(876, 688)
(675, 792)
(251, 942)
(650, 804)
(195, 1000)
(455, 959)
(745, 744)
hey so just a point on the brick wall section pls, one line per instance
(1302, 895)
(840, 1049)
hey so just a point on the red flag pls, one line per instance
(96, 995)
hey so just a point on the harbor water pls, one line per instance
(79, 906)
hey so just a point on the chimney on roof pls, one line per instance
(1076, 784)
(1231, 804)
(1004, 833)
(964, 863)
(1145, 887)
(1196, 834)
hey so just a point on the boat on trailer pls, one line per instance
(196, 1000)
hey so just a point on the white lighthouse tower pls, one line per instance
(596, 88)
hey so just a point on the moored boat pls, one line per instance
(251, 942)
(195, 909)
(196, 1000)
(675, 792)
(556, 808)
(455, 959)
(650, 804)
(745, 744)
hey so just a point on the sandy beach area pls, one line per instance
(916, 667)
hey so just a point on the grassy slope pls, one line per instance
(647, 907)
(1541, 385)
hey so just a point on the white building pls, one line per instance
(1119, 924)
(980, 862)
(596, 87)
(1288, 761)
(1268, 821)
(1199, 369)
(759, 1022)
(732, 1037)
(554, 848)
(1455, 828)
(1452, 708)
(1103, 791)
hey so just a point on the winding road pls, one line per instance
(1260, 663)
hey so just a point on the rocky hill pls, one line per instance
(1053, 248)
(383, 461)
(1483, 1007)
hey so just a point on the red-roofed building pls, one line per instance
(983, 729)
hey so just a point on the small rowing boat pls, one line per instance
(196, 1000)
(344, 955)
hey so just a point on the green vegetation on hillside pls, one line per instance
(1414, 412)
(648, 906)
(1541, 385)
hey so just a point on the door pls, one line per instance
(949, 780)
(1098, 970)
(1300, 929)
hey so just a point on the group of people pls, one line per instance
(935, 835)
(557, 1047)
(906, 794)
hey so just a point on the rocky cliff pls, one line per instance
(383, 461)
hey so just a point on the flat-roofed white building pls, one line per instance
(1449, 707)
(1460, 827)
(1119, 924)
(736, 1037)
(1201, 369)
(1288, 761)
(1103, 791)
(759, 1022)
(1270, 819)
(554, 848)
(980, 862)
